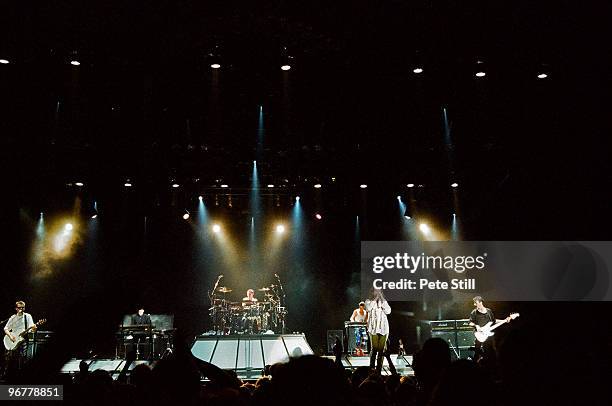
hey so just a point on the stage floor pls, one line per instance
(402, 364)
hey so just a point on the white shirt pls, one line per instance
(16, 323)
(356, 316)
(377, 321)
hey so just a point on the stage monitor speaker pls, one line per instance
(331, 339)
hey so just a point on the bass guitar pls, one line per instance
(486, 331)
(11, 345)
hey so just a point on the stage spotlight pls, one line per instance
(317, 186)
(542, 76)
(318, 216)
(78, 184)
(424, 228)
(4, 61)
(410, 185)
(175, 185)
(215, 65)
(480, 74)
(94, 216)
(454, 184)
(280, 229)
(200, 198)
(216, 228)
(363, 186)
(68, 227)
(224, 185)
(399, 198)
(407, 217)
(186, 215)
(270, 186)
(74, 62)
(418, 70)
(297, 198)
(127, 183)
(285, 67)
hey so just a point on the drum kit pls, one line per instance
(248, 316)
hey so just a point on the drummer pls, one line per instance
(250, 298)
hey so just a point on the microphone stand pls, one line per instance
(282, 302)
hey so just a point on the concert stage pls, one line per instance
(402, 364)
(113, 366)
(249, 354)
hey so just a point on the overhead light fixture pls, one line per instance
(297, 198)
(480, 74)
(224, 185)
(270, 185)
(318, 216)
(200, 198)
(410, 185)
(363, 186)
(317, 186)
(186, 215)
(216, 228)
(418, 70)
(127, 184)
(542, 75)
(175, 185)
(215, 65)
(78, 183)
(4, 61)
(286, 67)
(454, 184)
(280, 229)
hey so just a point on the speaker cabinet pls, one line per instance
(449, 336)
(465, 339)
(331, 339)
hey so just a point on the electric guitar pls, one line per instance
(486, 331)
(20, 337)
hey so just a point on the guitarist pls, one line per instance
(18, 323)
(484, 353)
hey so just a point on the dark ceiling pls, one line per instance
(145, 104)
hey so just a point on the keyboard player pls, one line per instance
(141, 319)
(360, 315)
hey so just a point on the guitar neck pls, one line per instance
(494, 326)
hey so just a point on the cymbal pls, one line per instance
(263, 289)
(224, 289)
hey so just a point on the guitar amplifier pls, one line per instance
(449, 336)
(464, 324)
(465, 338)
(38, 341)
(442, 325)
(331, 339)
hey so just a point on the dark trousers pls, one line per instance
(15, 360)
(485, 353)
(378, 348)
